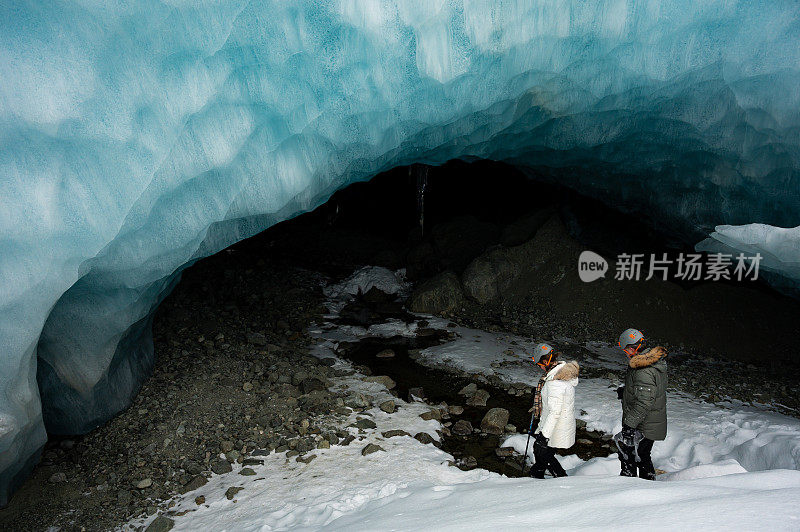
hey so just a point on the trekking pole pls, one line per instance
(525, 456)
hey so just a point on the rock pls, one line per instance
(469, 390)
(221, 467)
(252, 461)
(584, 441)
(504, 452)
(424, 437)
(376, 295)
(233, 456)
(523, 229)
(371, 448)
(468, 462)
(511, 428)
(381, 379)
(58, 478)
(196, 482)
(386, 353)
(256, 339)
(388, 406)
(200, 499)
(364, 423)
(311, 384)
(455, 410)
(247, 386)
(443, 293)
(306, 459)
(226, 446)
(231, 492)
(461, 427)
(323, 444)
(329, 362)
(479, 398)
(495, 420)
(298, 377)
(416, 394)
(431, 414)
(144, 483)
(357, 400)
(246, 472)
(580, 424)
(394, 432)
(160, 524)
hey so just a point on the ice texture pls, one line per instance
(779, 248)
(137, 138)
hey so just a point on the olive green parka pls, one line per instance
(644, 401)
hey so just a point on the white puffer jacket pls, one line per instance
(557, 422)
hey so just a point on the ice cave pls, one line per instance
(139, 138)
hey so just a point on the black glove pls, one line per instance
(540, 440)
(620, 392)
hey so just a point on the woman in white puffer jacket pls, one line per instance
(556, 428)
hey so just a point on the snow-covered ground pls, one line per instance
(700, 433)
(729, 467)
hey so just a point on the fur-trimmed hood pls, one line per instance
(647, 357)
(564, 371)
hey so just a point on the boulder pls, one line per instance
(479, 398)
(461, 427)
(386, 353)
(468, 390)
(434, 413)
(495, 420)
(442, 293)
(311, 384)
(371, 448)
(160, 524)
(221, 467)
(196, 482)
(381, 379)
(424, 437)
(365, 423)
(231, 492)
(394, 432)
(416, 394)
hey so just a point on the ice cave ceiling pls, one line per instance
(136, 138)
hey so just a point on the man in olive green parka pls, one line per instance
(644, 405)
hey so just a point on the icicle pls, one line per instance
(421, 172)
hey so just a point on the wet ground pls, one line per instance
(440, 386)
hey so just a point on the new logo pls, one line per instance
(591, 266)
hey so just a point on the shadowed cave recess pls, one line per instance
(674, 132)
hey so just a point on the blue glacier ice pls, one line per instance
(138, 137)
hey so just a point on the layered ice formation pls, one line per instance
(138, 138)
(778, 248)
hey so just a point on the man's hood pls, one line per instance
(648, 358)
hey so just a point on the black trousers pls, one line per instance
(644, 464)
(545, 459)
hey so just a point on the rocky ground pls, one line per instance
(232, 376)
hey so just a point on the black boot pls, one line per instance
(537, 473)
(646, 469)
(555, 467)
(647, 473)
(541, 456)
